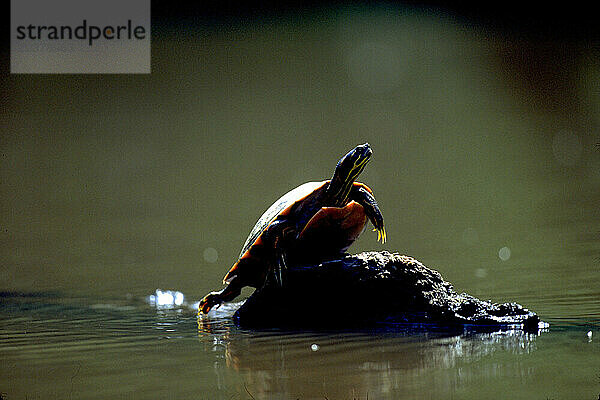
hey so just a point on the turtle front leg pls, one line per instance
(363, 197)
(212, 299)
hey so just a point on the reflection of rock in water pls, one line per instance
(370, 288)
(419, 326)
(280, 364)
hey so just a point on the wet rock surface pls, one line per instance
(372, 288)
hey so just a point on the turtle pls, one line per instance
(314, 222)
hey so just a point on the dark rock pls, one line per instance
(370, 288)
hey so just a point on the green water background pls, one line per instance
(485, 166)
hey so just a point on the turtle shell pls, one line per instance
(323, 231)
(281, 207)
(283, 204)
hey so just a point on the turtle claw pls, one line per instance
(209, 301)
(381, 235)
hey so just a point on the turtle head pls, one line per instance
(346, 172)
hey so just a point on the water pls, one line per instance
(54, 346)
(485, 167)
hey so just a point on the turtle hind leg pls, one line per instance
(278, 235)
(277, 269)
(280, 266)
(212, 299)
